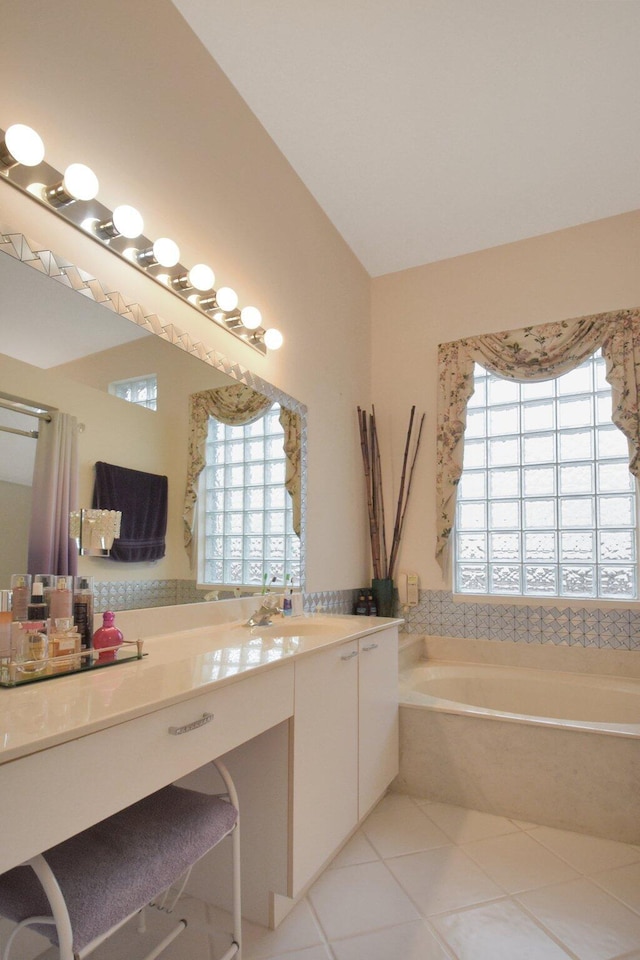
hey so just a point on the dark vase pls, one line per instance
(384, 593)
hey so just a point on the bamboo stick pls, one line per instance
(378, 474)
(373, 532)
(406, 501)
(396, 526)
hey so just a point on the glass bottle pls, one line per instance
(107, 635)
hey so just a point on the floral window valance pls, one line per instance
(531, 353)
(236, 405)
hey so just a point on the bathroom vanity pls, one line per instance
(306, 709)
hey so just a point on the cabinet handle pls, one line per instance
(371, 646)
(205, 718)
(349, 656)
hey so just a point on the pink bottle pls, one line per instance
(107, 635)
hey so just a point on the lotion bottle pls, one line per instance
(21, 592)
(6, 617)
(83, 609)
(61, 599)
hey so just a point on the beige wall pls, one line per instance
(571, 273)
(127, 88)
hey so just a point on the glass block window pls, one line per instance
(246, 528)
(143, 391)
(546, 503)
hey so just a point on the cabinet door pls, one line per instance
(325, 758)
(378, 715)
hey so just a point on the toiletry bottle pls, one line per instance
(372, 608)
(83, 609)
(6, 616)
(37, 609)
(48, 582)
(107, 635)
(64, 643)
(21, 592)
(61, 600)
(287, 605)
(361, 606)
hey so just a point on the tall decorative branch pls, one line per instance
(382, 567)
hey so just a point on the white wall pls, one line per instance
(127, 88)
(571, 273)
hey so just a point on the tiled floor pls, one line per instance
(430, 881)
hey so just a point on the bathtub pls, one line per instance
(557, 747)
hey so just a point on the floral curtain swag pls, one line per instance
(531, 353)
(236, 405)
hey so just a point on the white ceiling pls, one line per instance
(426, 129)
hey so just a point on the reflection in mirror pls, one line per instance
(63, 350)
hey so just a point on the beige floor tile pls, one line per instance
(517, 862)
(298, 931)
(357, 850)
(310, 953)
(587, 854)
(623, 883)
(409, 941)
(463, 825)
(497, 931)
(398, 826)
(359, 899)
(443, 879)
(585, 918)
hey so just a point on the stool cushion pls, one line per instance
(119, 865)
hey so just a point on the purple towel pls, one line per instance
(142, 498)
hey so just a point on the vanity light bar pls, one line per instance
(73, 196)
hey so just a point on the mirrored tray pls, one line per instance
(15, 673)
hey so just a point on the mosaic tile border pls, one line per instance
(438, 613)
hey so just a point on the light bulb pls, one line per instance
(201, 276)
(166, 252)
(273, 339)
(227, 299)
(128, 221)
(251, 317)
(21, 145)
(80, 182)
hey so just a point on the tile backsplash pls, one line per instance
(438, 613)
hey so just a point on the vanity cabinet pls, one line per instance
(345, 745)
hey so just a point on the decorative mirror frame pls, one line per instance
(61, 270)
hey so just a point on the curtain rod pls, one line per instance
(20, 433)
(24, 407)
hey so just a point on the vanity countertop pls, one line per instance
(178, 666)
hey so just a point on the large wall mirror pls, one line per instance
(62, 349)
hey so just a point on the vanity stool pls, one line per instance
(81, 891)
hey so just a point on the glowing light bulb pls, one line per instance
(80, 182)
(273, 339)
(227, 299)
(128, 221)
(251, 317)
(166, 252)
(201, 276)
(21, 145)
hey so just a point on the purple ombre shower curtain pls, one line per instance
(54, 495)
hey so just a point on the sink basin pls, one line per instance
(301, 627)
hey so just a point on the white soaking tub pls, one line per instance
(557, 747)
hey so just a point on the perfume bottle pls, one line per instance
(107, 635)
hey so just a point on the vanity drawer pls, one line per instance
(54, 794)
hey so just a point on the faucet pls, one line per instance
(262, 616)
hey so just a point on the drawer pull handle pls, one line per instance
(349, 656)
(371, 646)
(205, 718)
